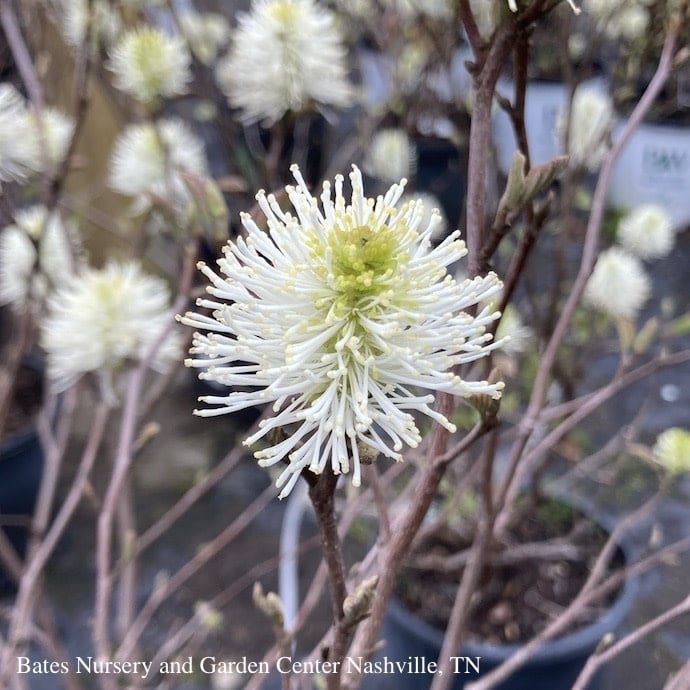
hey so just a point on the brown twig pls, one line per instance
(555, 549)
(81, 104)
(118, 479)
(21, 55)
(313, 595)
(15, 351)
(322, 496)
(489, 68)
(372, 477)
(597, 660)
(471, 28)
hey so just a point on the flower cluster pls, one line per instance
(35, 255)
(285, 55)
(74, 15)
(672, 450)
(206, 33)
(50, 133)
(149, 64)
(149, 162)
(16, 152)
(619, 19)
(647, 231)
(391, 155)
(30, 143)
(338, 315)
(589, 128)
(619, 285)
(101, 318)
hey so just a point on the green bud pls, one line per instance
(270, 605)
(521, 188)
(357, 605)
(646, 336)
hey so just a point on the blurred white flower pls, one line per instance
(285, 54)
(149, 159)
(620, 19)
(672, 450)
(16, 145)
(390, 155)
(150, 64)
(105, 19)
(36, 255)
(227, 680)
(102, 318)
(51, 133)
(512, 332)
(631, 23)
(590, 126)
(206, 33)
(336, 316)
(619, 285)
(431, 211)
(647, 231)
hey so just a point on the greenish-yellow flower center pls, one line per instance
(284, 12)
(363, 260)
(146, 53)
(361, 264)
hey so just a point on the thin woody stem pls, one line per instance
(322, 496)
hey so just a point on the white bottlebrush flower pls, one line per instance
(338, 316)
(390, 155)
(205, 32)
(672, 450)
(149, 159)
(630, 24)
(51, 133)
(647, 231)
(16, 146)
(105, 21)
(619, 285)
(591, 122)
(36, 255)
(102, 318)
(619, 19)
(150, 64)
(285, 54)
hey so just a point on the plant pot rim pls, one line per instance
(578, 642)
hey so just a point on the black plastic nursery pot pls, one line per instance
(21, 468)
(554, 667)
